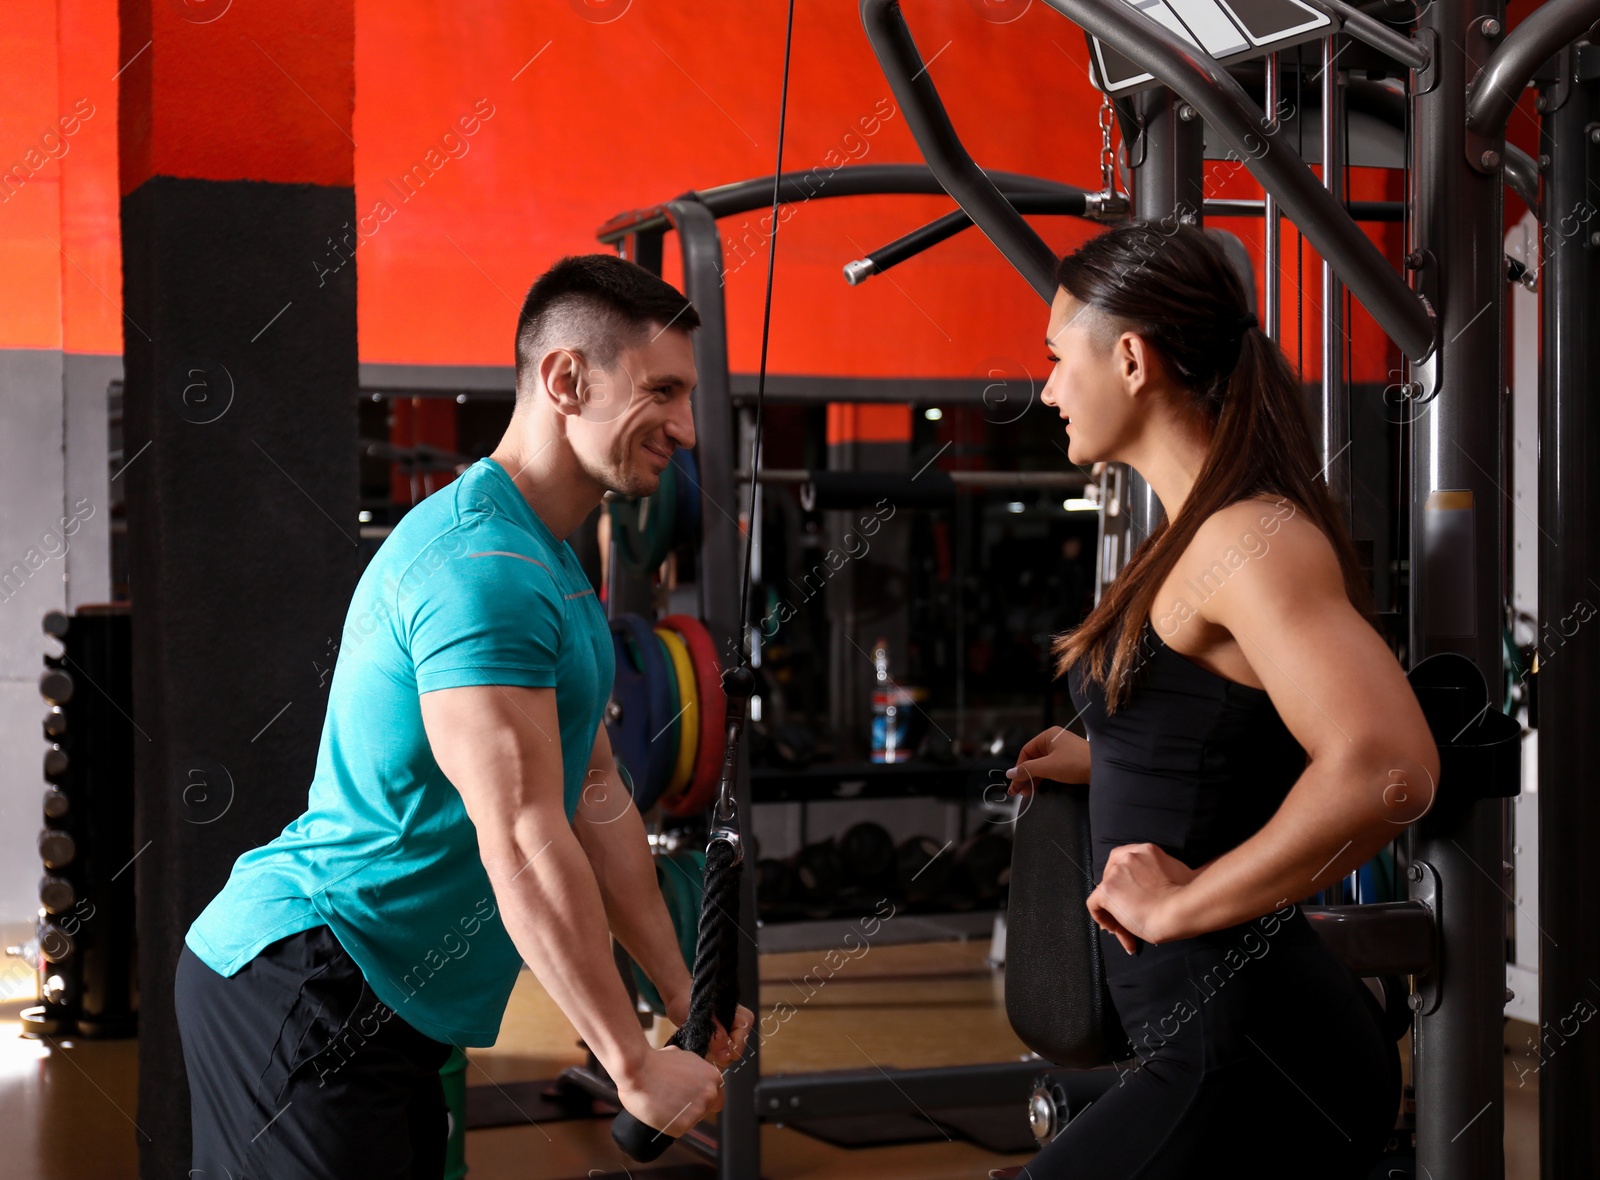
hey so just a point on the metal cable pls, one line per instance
(766, 325)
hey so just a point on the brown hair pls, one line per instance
(1173, 285)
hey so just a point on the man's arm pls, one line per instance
(500, 747)
(609, 827)
(612, 834)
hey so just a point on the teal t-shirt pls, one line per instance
(471, 588)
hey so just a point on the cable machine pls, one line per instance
(639, 235)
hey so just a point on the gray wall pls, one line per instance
(53, 423)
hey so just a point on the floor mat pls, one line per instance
(1001, 1129)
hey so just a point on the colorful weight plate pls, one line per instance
(673, 735)
(688, 492)
(713, 704)
(681, 877)
(628, 713)
(646, 708)
(642, 982)
(689, 720)
(684, 874)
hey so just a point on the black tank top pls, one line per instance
(1191, 761)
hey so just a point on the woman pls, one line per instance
(1254, 739)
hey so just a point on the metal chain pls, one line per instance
(1106, 205)
(1107, 156)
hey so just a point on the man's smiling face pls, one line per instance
(636, 413)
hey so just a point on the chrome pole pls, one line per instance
(1272, 255)
(1335, 393)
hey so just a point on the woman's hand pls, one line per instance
(1057, 754)
(1139, 895)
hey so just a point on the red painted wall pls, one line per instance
(602, 107)
(286, 61)
(91, 236)
(60, 252)
(577, 109)
(30, 216)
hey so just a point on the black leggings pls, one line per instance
(298, 1072)
(1260, 1055)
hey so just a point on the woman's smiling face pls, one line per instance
(1092, 379)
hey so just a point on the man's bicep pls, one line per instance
(499, 745)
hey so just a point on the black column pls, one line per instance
(1569, 642)
(1457, 587)
(240, 461)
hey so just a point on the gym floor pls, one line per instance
(71, 1104)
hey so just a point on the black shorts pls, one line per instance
(298, 1072)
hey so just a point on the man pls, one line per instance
(466, 815)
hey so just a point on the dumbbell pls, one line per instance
(817, 878)
(868, 852)
(921, 870)
(773, 885)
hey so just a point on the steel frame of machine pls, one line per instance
(750, 1099)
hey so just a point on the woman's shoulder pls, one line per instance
(1264, 514)
(1255, 524)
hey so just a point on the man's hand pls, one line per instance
(723, 1050)
(726, 1049)
(671, 1091)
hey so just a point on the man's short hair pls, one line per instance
(597, 305)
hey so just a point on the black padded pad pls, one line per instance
(1480, 747)
(1056, 995)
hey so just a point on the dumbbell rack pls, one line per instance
(639, 235)
(85, 929)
